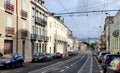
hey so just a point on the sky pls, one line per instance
(83, 25)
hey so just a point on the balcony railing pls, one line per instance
(40, 21)
(9, 7)
(60, 38)
(24, 33)
(9, 31)
(23, 14)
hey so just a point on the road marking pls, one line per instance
(56, 68)
(44, 71)
(67, 67)
(62, 70)
(83, 65)
(91, 68)
(71, 65)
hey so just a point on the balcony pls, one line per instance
(24, 34)
(40, 37)
(9, 31)
(33, 37)
(60, 38)
(40, 21)
(23, 14)
(9, 7)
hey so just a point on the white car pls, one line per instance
(114, 66)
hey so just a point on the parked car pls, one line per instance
(49, 56)
(39, 57)
(114, 66)
(57, 55)
(11, 61)
(101, 56)
(107, 59)
(70, 53)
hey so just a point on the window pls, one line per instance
(23, 5)
(24, 26)
(9, 21)
(8, 1)
(33, 12)
(50, 24)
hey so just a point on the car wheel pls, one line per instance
(22, 64)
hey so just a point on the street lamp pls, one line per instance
(108, 30)
(100, 30)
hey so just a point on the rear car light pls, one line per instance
(118, 66)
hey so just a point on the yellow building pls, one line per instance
(14, 33)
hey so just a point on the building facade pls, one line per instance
(115, 39)
(107, 30)
(38, 23)
(15, 27)
(57, 33)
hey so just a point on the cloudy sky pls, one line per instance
(83, 25)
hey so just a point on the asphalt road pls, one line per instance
(77, 64)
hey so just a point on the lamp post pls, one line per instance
(100, 30)
(108, 31)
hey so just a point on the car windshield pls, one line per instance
(111, 57)
(35, 55)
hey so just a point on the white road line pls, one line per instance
(71, 65)
(44, 71)
(62, 70)
(83, 65)
(56, 68)
(91, 68)
(67, 67)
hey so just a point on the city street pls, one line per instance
(83, 63)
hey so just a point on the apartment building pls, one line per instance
(57, 33)
(115, 39)
(107, 30)
(70, 41)
(38, 23)
(14, 33)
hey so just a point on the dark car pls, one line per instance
(57, 55)
(49, 56)
(39, 57)
(107, 59)
(70, 53)
(101, 56)
(114, 66)
(11, 61)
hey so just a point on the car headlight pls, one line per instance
(7, 61)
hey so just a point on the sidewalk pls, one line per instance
(96, 66)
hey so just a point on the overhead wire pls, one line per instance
(69, 15)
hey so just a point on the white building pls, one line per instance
(57, 33)
(38, 23)
(70, 41)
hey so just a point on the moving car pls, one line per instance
(114, 66)
(11, 61)
(107, 59)
(39, 57)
